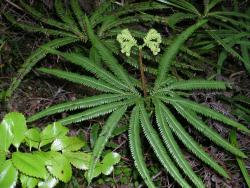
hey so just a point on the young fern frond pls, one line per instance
(33, 59)
(103, 138)
(170, 54)
(172, 145)
(84, 80)
(136, 147)
(158, 147)
(193, 119)
(190, 143)
(108, 58)
(86, 102)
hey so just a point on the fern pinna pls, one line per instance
(122, 95)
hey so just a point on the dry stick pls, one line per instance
(143, 78)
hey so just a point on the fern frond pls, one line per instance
(136, 147)
(242, 165)
(40, 17)
(114, 22)
(231, 13)
(78, 13)
(210, 5)
(37, 28)
(33, 59)
(227, 47)
(135, 7)
(54, 23)
(95, 112)
(160, 151)
(182, 4)
(82, 79)
(201, 109)
(195, 84)
(80, 104)
(64, 14)
(98, 15)
(190, 143)
(246, 56)
(103, 138)
(172, 146)
(170, 54)
(192, 118)
(90, 66)
(109, 59)
(178, 17)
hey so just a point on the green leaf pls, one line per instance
(29, 164)
(28, 182)
(67, 144)
(108, 161)
(2, 157)
(79, 160)
(51, 132)
(105, 134)
(6, 136)
(50, 182)
(17, 123)
(33, 137)
(8, 175)
(59, 166)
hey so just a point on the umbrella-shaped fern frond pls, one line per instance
(151, 114)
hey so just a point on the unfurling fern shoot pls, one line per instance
(120, 93)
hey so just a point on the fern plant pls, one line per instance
(151, 106)
(227, 29)
(71, 28)
(36, 165)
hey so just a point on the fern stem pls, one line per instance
(143, 78)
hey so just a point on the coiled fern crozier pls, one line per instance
(122, 95)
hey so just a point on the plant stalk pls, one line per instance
(143, 78)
